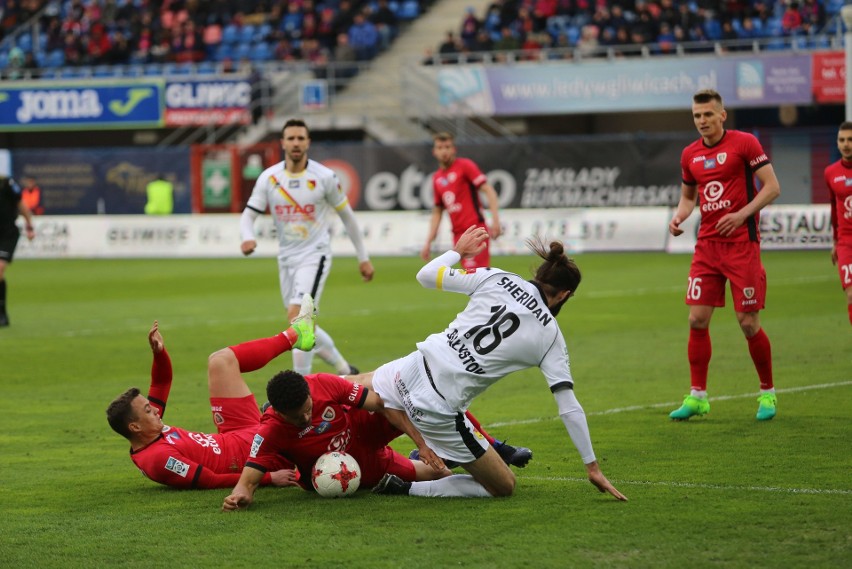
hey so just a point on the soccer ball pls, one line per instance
(335, 475)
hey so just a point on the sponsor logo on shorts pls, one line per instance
(255, 446)
(178, 467)
(328, 413)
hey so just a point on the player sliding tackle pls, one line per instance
(508, 325)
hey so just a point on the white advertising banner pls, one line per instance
(403, 233)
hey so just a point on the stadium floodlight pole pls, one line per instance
(846, 14)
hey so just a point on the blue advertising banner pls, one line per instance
(624, 85)
(81, 105)
(103, 180)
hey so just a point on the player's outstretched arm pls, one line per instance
(155, 339)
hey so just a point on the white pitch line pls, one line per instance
(773, 489)
(670, 404)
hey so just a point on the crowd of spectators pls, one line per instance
(118, 32)
(563, 28)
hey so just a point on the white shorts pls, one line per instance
(404, 384)
(308, 275)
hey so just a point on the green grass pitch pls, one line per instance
(719, 491)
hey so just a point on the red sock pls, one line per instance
(850, 313)
(479, 428)
(255, 354)
(699, 350)
(761, 355)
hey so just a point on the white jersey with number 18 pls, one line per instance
(505, 327)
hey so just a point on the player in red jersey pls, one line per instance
(456, 185)
(319, 413)
(838, 178)
(718, 172)
(185, 459)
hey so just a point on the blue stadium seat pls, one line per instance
(25, 42)
(223, 52)
(408, 10)
(821, 41)
(262, 33)
(557, 25)
(261, 52)
(4, 60)
(242, 50)
(136, 70)
(833, 7)
(774, 28)
(55, 58)
(153, 69)
(247, 33)
(230, 34)
(573, 34)
(713, 29)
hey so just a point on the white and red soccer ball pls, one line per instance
(335, 475)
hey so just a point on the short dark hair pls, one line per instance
(120, 412)
(845, 125)
(295, 122)
(557, 273)
(287, 391)
(443, 137)
(706, 96)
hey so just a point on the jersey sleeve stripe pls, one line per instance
(560, 386)
(254, 209)
(256, 466)
(439, 282)
(363, 398)
(342, 205)
(197, 476)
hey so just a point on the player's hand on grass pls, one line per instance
(248, 247)
(471, 242)
(597, 478)
(367, 271)
(236, 501)
(284, 477)
(155, 338)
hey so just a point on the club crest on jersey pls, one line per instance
(255, 446)
(218, 418)
(328, 414)
(709, 163)
(749, 292)
(178, 467)
(721, 157)
(322, 427)
(312, 184)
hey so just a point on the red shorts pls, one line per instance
(235, 413)
(716, 262)
(480, 261)
(371, 433)
(844, 264)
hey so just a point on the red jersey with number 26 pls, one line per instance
(838, 178)
(457, 189)
(724, 178)
(329, 429)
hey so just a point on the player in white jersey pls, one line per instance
(301, 194)
(509, 324)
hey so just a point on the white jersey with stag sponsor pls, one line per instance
(505, 327)
(300, 205)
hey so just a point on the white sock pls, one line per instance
(697, 393)
(455, 486)
(772, 391)
(302, 361)
(326, 350)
